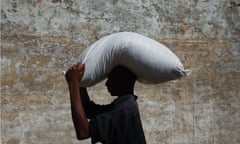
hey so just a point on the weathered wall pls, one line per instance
(40, 38)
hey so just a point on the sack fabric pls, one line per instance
(150, 60)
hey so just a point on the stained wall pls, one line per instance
(41, 38)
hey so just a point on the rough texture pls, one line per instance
(40, 38)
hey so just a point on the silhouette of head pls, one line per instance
(121, 81)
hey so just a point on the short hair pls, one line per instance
(123, 71)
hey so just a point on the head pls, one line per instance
(121, 81)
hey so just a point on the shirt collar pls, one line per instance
(123, 98)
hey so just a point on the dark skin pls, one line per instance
(117, 85)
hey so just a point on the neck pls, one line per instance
(127, 92)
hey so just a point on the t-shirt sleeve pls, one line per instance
(121, 125)
(92, 109)
(94, 131)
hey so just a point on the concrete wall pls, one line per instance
(40, 38)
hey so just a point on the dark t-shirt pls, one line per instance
(119, 124)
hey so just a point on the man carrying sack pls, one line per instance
(123, 58)
(115, 123)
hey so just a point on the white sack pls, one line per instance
(151, 61)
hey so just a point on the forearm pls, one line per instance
(78, 114)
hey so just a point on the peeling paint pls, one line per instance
(40, 39)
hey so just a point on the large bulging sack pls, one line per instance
(151, 61)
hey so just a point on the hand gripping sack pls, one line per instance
(151, 61)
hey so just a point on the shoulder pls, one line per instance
(125, 102)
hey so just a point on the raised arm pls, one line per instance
(92, 109)
(81, 124)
